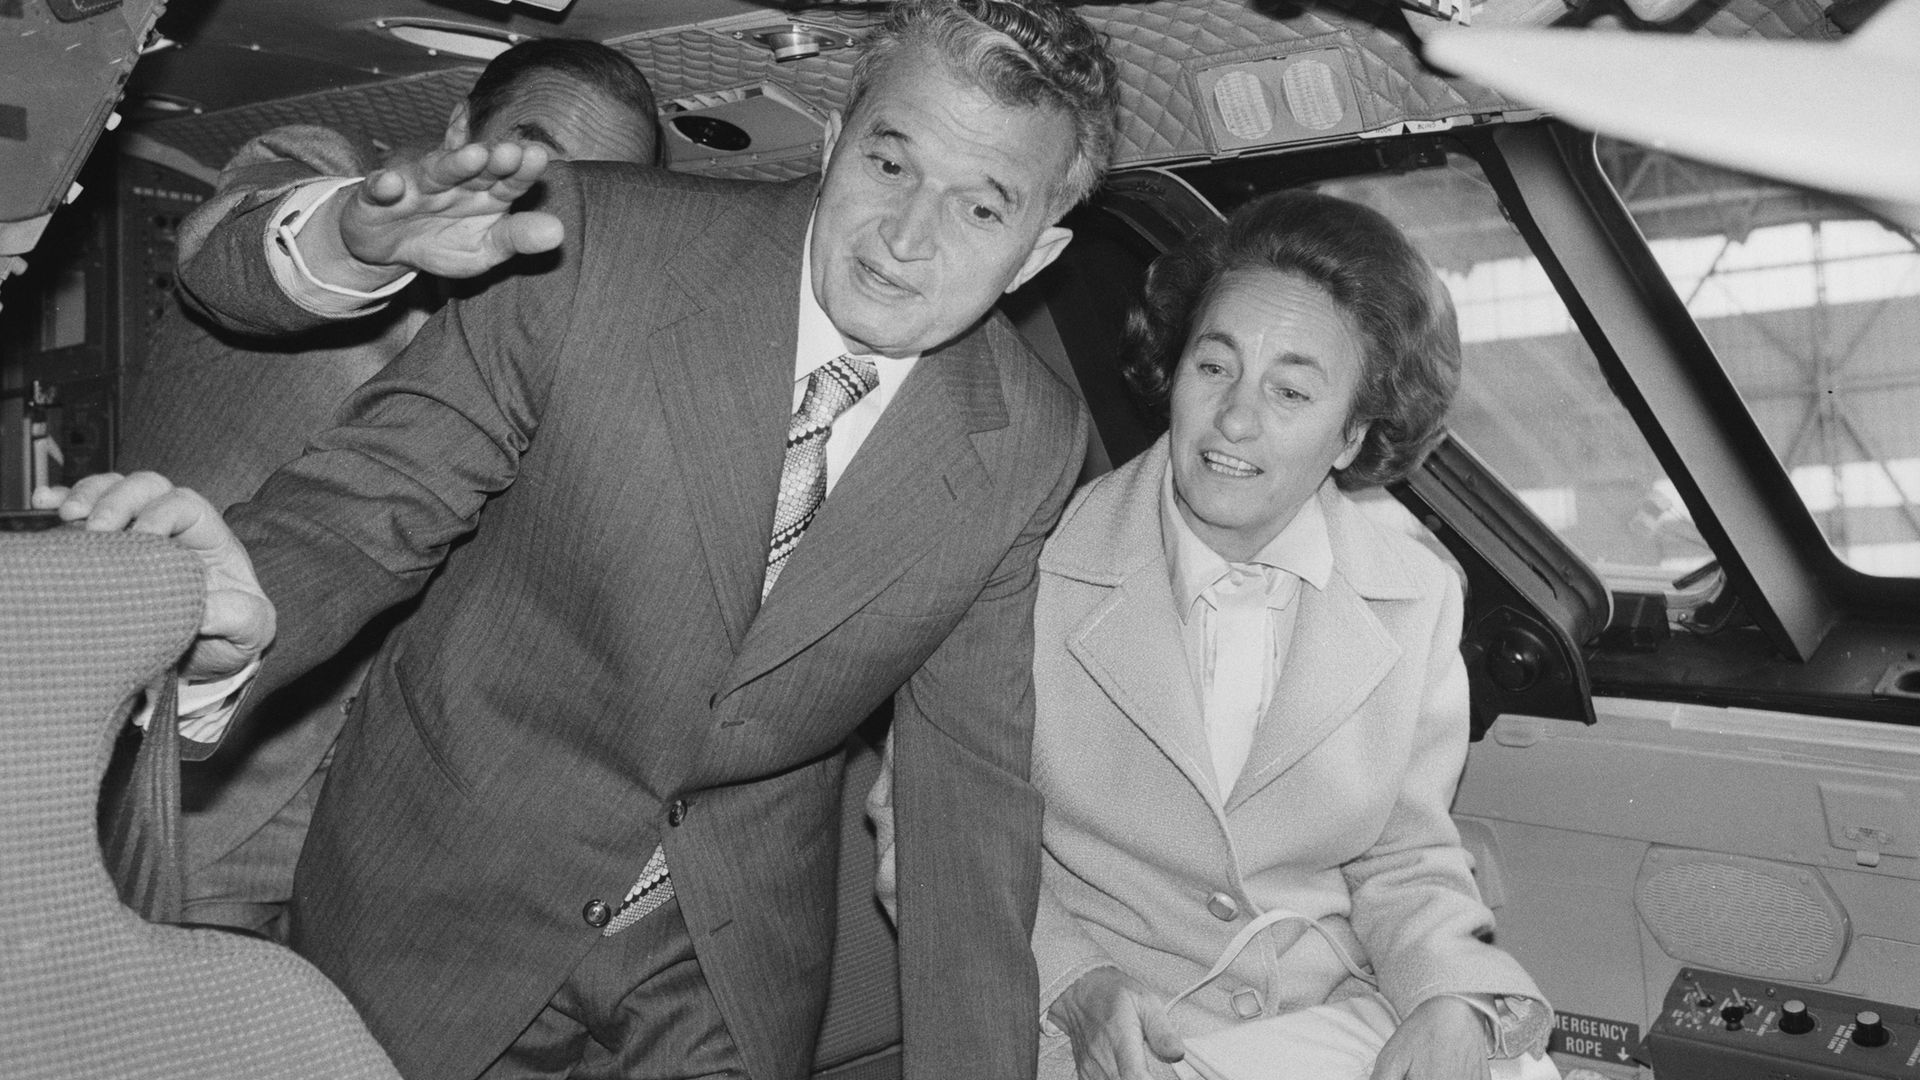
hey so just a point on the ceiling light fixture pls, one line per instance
(795, 40)
(453, 38)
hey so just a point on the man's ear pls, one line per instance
(457, 127)
(1053, 241)
(833, 136)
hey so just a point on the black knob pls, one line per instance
(1794, 1017)
(677, 813)
(1517, 660)
(1733, 1014)
(1868, 1030)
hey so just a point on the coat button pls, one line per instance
(1246, 1003)
(597, 913)
(677, 813)
(1223, 906)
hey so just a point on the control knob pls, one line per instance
(1794, 1017)
(1868, 1030)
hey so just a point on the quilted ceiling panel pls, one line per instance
(1160, 46)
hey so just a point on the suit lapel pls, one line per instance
(1338, 654)
(725, 378)
(906, 487)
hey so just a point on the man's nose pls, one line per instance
(911, 230)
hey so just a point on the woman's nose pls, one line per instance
(1238, 418)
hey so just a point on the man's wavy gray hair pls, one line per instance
(1031, 53)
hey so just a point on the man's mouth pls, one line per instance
(1228, 465)
(880, 281)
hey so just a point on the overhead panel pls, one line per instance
(1186, 66)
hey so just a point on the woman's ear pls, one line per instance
(1356, 440)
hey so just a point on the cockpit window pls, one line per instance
(1813, 308)
(1534, 404)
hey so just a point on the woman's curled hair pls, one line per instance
(1409, 339)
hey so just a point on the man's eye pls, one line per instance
(986, 215)
(887, 166)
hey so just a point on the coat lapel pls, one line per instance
(1130, 646)
(1130, 642)
(725, 378)
(1340, 651)
(908, 485)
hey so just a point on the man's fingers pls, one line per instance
(384, 188)
(531, 232)
(444, 170)
(244, 619)
(109, 502)
(76, 502)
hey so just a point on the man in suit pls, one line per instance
(584, 820)
(235, 386)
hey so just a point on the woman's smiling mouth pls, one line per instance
(1228, 465)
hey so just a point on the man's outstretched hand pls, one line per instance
(445, 213)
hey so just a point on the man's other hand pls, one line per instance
(238, 623)
(444, 213)
(1114, 1022)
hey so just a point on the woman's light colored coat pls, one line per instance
(1340, 815)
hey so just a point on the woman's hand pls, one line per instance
(1444, 1039)
(1113, 1022)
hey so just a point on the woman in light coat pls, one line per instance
(1251, 711)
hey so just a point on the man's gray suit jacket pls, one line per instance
(592, 449)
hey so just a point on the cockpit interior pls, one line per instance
(1680, 481)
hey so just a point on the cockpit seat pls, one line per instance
(87, 987)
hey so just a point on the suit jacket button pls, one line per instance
(1224, 907)
(1246, 1003)
(677, 813)
(597, 913)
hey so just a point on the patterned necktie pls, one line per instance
(831, 390)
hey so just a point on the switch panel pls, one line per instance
(1715, 1026)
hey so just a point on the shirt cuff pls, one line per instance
(205, 708)
(290, 270)
(1516, 1025)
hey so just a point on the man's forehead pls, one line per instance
(1000, 138)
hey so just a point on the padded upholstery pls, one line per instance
(87, 989)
